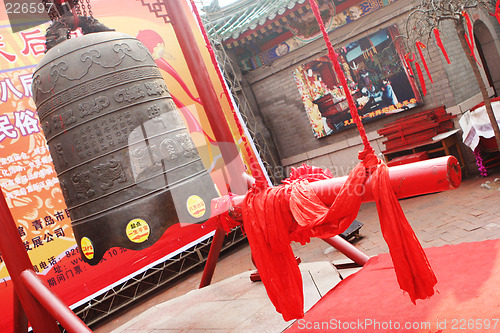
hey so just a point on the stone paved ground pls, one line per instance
(468, 214)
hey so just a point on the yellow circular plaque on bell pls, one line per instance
(196, 206)
(138, 230)
(87, 248)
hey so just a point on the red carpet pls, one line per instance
(468, 298)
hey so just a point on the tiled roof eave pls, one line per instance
(249, 22)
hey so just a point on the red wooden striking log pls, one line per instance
(408, 180)
(423, 177)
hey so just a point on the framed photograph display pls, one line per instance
(377, 77)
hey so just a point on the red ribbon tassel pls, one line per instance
(440, 44)
(470, 37)
(409, 57)
(497, 11)
(421, 46)
(421, 78)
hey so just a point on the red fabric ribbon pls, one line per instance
(409, 57)
(413, 271)
(440, 44)
(421, 46)
(470, 37)
(273, 217)
(267, 221)
(421, 78)
(306, 172)
(314, 219)
(341, 76)
(497, 11)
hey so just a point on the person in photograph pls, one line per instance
(388, 95)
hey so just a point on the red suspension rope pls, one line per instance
(411, 266)
(333, 57)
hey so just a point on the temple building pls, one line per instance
(299, 106)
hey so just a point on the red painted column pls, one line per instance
(71, 322)
(208, 96)
(20, 319)
(16, 260)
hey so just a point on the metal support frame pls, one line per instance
(349, 250)
(213, 257)
(208, 96)
(152, 279)
(266, 147)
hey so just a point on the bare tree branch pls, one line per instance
(429, 14)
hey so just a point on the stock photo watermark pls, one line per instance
(374, 325)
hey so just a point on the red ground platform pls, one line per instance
(468, 298)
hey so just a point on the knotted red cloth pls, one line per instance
(273, 217)
(306, 172)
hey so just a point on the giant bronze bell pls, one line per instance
(126, 163)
